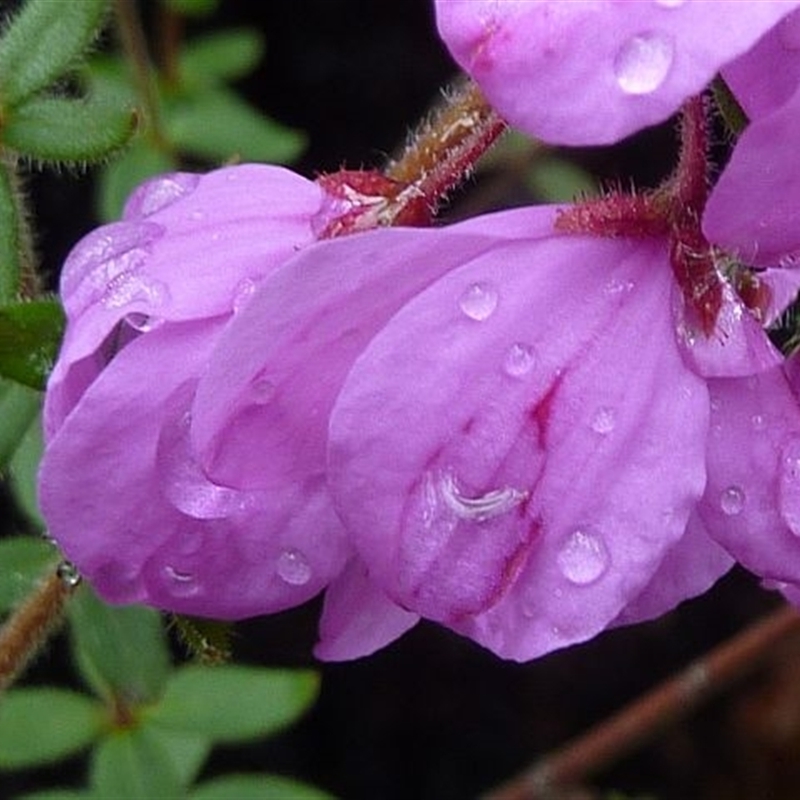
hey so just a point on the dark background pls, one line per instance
(434, 717)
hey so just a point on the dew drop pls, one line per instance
(68, 574)
(242, 292)
(604, 420)
(731, 501)
(615, 286)
(180, 582)
(159, 193)
(583, 558)
(670, 3)
(478, 301)
(143, 322)
(643, 62)
(293, 568)
(758, 422)
(519, 360)
(127, 288)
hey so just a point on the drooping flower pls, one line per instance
(594, 72)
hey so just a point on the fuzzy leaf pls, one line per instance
(233, 703)
(120, 650)
(257, 787)
(24, 560)
(42, 42)
(30, 336)
(223, 56)
(42, 725)
(24, 469)
(218, 126)
(64, 131)
(18, 408)
(10, 266)
(133, 765)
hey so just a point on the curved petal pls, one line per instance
(595, 72)
(753, 422)
(358, 618)
(512, 455)
(189, 247)
(754, 209)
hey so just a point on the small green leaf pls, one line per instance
(223, 56)
(187, 751)
(42, 42)
(218, 126)
(42, 725)
(30, 336)
(192, 8)
(62, 131)
(24, 560)
(557, 180)
(24, 471)
(19, 406)
(121, 651)
(133, 765)
(257, 787)
(10, 262)
(234, 703)
(119, 178)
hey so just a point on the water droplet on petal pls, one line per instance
(480, 507)
(68, 574)
(758, 422)
(519, 360)
(262, 389)
(731, 501)
(478, 301)
(583, 558)
(127, 288)
(180, 582)
(143, 322)
(604, 420)
(643, 62)
(616, 286)
(159, 193)
(670, 3)
(293, 568)
(243, 291)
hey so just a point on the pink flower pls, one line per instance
(148, 299)
(594, 72)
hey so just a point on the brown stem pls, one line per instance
(445, 148)
(29, 626)
(641, 720)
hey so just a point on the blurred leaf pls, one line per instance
(223, 56)
(24, 560)
(257, 787)
(43, 41)
(121, 651)
(30, 337)
(24, 470)
(192, 8)
(233, 703)
(65, 131)
(218, 126)
(187, 751)
(556, 180)
(9, 236)
(19, 406)
(142, 160)
(133, 765)
(58, 794)
(41, 725)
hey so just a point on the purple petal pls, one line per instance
(593, 73)
(746, 506)
(512, 455)
(358, 618)
(754, 210)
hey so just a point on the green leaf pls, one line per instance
(24, 470)
(218, 126)
(187, 751)
(23, 560)
(42, 725)
(133, 765)
(10, 245)
(121, 651)
(42, 42)
(64, 131)
(223, 56)
(19, 406)
(257, 787)
(119, 178)
(30, 336)
(58, 794)
(192, 8)
(557, 180)
(234, 703)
